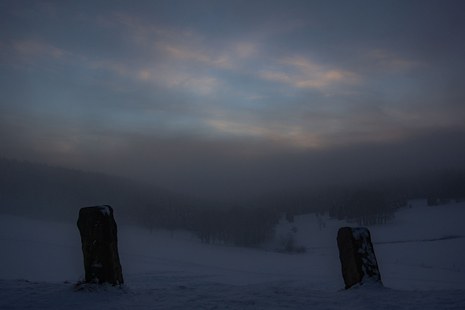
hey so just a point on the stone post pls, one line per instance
(357, 256)
(100, 245)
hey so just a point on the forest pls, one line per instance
(46, 192)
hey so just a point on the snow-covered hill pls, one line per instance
(420, 255)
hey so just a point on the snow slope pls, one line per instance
(420, 255)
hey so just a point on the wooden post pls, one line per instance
(100, 245)
(357, 256)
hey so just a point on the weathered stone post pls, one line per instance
(100, 245)
(357, 256)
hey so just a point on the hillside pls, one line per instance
(40, 191)
(420, 255)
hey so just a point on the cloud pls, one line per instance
(299, 72)
(223, 168)
(319, 76)
(49, 9)
(275, 76)
(144, 74)
(204, 85)
(246, 49)
(301, 62)
(253, 97)
(185, 44)
(140, 30)
(32, 49)
(186, 62)
(168, 83)
(114, 66)
(237, 128)
(185, 53)
(177, 55)
(384, 61)
(289, 135)
(228, 58)
(314, 83)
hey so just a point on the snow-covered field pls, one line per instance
(420, 254)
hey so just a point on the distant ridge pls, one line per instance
(42, 191)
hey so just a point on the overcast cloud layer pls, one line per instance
(234, 97)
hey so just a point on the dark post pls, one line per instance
(100, 245)
(357, 256)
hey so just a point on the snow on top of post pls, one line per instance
(104, 209)
(359, 232)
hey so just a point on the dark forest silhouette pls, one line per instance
(46, 192)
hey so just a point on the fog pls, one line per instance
(229, 101)
(227, 135)
(237, 169)
(172, 177)
(243, 169)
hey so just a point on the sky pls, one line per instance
(232, 98)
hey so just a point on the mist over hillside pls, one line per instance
(41, 191)
(46, 192)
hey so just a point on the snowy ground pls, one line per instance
(420, 255)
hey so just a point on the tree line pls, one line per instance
(370, 202)
(47, 192)
(239, 226)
